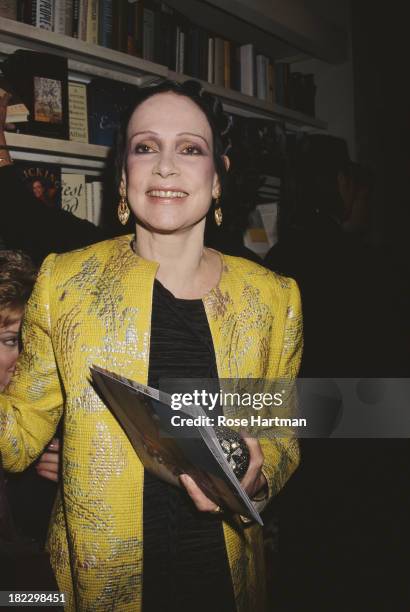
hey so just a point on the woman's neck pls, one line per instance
(186, 267)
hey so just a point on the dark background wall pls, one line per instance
(382, 111)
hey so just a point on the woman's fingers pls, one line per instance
(201, 501)
(254, 480)
(48, 464)
(49, 474)
(54, 445)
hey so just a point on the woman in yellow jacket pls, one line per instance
(158, 305)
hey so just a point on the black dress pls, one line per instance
(185, 562)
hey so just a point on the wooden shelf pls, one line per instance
(91, 60)
(289, 22)
(53, 150)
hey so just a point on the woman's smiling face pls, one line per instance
(169, 169)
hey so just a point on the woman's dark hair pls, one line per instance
(211, 107)
(17, 278)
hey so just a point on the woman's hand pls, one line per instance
(48, 465)
(253, 481)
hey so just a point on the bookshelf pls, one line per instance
(86, 60)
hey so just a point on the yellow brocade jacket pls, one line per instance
(93, 306)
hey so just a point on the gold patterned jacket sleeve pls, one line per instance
(31, 406)
(281, 454)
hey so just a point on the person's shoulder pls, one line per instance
(93, 258)
(102, 251)
(257, 274)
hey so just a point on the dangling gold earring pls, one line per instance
(123, 210)
(218, 216)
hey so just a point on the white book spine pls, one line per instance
(90, 207)
(44, 14)
(247, 70)
(97, 201)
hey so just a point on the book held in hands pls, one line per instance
(145, 414)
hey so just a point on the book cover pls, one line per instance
(42, 180)
(41, 80)
(77, 109)
(17, 111)
(8, 8)
(73, 194)
(107, 100)
(145, 415)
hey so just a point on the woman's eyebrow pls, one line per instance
(179, 134)
(193, 134)
(144, 132)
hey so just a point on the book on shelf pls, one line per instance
(262, 77)
(94, 199)
(134, 27)
(73, 194)
(38, 13)
(282, 76)
(41, 80)
(271, 83)
(219, 65)
(77, 109)
(145, 415)
(82, 19)
(41, 180)
(75, 27)
(148, 36)
(120, 25)
(91, 35)
(63, 17)
(105, 23)
(8, 8)
(107, 100)
(247, 60)
(211, 60)
(17, 111)
(227, 64)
